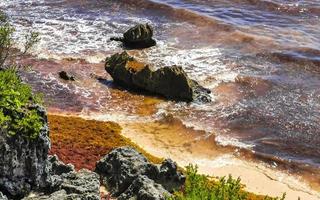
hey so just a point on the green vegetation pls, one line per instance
(201, 187)
(17, 113)
(7, 51)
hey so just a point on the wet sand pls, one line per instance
(170, 138)
(168, 141)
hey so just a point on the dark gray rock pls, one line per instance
(26, 167)
(137, 37)
(57, 167)
(23, 161)
(143, 188)
(169, 176)
(128, 173)
(121, 167)
(82, 185)
(66, 76)
(171, 82)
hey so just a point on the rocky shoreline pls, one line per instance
(28, 172)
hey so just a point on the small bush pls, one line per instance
(7, 52)
(16, 113)
(201, 187)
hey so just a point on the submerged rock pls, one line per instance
(139, 36)
(66, 76)
(128, 174)
(171, 82)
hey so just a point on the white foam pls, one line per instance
(225, 140)
(197, 62)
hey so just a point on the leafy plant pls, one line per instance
(17, 114)
(201, 187)
(7, 51)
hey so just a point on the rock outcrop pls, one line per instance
(23, 162)
(83, 184)
(137, 37)
(170, 82)
(128, 174)
(25, 168)
(143, 188)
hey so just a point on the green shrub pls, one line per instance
(7, 52)
(201, 187)
(17, 115)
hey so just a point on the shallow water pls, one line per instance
(260, 58)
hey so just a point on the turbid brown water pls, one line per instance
(260, 59)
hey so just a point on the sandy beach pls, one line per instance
(257, 177)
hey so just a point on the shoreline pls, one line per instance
(255, 176)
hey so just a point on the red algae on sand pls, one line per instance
(83, 142)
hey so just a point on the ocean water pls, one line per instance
(260, 59)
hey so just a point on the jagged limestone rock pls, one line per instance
(82, 185)
(171, 82)
(128, 173)
(25, 168)
(139, 36)
(23, 161)
(143, 188)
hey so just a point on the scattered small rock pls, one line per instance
(171, 82)
(137, 37)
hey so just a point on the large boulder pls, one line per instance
(128, 173)
(23, 161)
(139, 36)
(170, 82)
